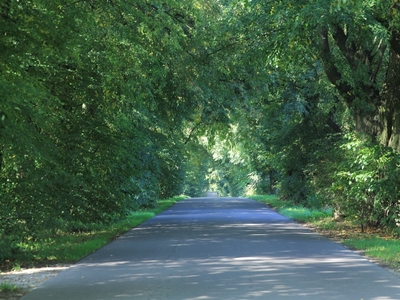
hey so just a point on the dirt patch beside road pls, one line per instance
(27, 279)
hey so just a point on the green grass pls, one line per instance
(292, 211)
(385, 250)
(383, 247)
(329, 223)
(305, 215)
(66, 247)
(8, 288)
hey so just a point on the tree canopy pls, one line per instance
(110, 105)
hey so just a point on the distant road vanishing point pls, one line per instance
(212, 194)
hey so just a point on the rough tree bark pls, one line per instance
(375, 106)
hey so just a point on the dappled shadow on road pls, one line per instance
(228, 250)
(275, 274)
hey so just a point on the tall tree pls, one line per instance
(358, 44)
(96, 95)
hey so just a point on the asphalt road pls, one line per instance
(221, 248)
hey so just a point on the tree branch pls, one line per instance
(349, 51)
(333, 74)
(191, 133)
(378, 64)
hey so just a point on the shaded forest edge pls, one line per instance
(376, 243)
(65, 246)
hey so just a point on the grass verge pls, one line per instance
(378, 245)
(386, 250)
(67, 247)
(8, 288)
(292, 211)
(11, 292)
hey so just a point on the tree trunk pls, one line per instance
(390, 110)
(375, 107)
(271, 181)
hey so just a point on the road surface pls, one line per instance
(221, 248)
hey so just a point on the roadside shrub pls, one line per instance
(8, 247)
(366, 183)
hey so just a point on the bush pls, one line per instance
(366, 183)
(9, 247)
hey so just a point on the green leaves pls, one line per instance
(365, 183)
(105, 100)
(95, 96)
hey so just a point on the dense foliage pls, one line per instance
(110, 105)
(95, 96)
(329, 120)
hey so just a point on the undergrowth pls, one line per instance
(8, 288)
(69, 247)
(293, 211)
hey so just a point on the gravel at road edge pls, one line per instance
(27, 279)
